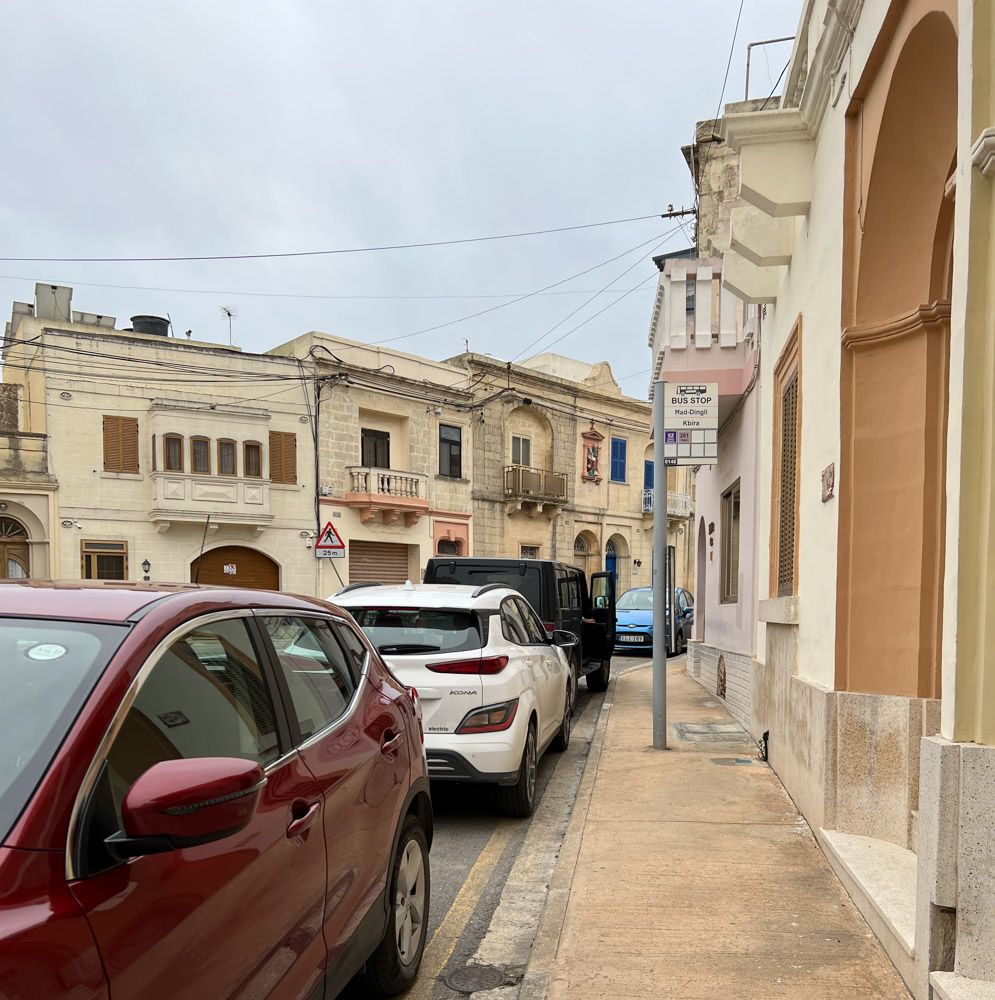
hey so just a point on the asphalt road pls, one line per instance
(489, 874)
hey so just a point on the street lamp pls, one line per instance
(146, 567)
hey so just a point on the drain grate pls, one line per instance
(709, 732)
(474, 978)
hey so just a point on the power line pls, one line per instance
(327, 253)
(541, 337)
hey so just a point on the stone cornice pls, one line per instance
(751, 127)
(925, 316)
(983, 152)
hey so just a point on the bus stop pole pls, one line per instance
(660, 574)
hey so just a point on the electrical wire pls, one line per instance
(666, 236)
(327, 253)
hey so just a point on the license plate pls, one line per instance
(632, 638)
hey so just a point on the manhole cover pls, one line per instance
(474, 978)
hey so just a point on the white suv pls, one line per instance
(494, 687)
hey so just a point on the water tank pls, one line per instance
(155, 325)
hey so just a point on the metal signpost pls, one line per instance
(685, 432)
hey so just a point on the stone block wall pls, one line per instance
(706, 663)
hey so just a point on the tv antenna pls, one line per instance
(230, 313)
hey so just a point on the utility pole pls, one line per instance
(661, 577)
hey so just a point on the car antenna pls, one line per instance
(196, 576)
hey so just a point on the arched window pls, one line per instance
(448, 547)
(580, 546)
(610, 548)
(13, 549)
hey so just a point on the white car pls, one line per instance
(494, 687)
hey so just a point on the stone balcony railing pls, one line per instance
(185, 497)
(678, 504)
(389, 492)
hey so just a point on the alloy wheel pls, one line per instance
(409, 902)
(530, 763)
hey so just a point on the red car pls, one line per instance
(204, 794)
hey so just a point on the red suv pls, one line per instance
(204, 794)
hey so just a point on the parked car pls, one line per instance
(495, 687)
(190, 808)
(635, 620)
(561, 597)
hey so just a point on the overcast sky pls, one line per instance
(223, 127)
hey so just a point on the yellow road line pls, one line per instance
(439, 950)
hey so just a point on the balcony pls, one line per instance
(678, 504)
(185, 498)
(692, 341)
(534, 491)
(388, 492)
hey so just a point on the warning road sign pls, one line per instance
(329, 544)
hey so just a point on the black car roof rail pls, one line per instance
(357, 586)
(489, 586)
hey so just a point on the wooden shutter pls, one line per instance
(120, 444)
(787, 513)
(282, 457)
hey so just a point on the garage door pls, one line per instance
(378, 562)
(237, 566)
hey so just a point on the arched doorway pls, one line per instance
(894, 365)
(236, 566)
(700, 576)
(14, 559)
(586, 552)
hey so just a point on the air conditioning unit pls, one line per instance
(326, 491)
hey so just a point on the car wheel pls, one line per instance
(392, 968)
(519, 799)
(561, 741)
(598, 680)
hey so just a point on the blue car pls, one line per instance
(634, 620)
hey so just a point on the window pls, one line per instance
(374, 447)
(121, 444)
(104, 560)
(569, 592)
(512, 624)
(153, 454)
(448, 547)
(13, 550)
(529, 551)
(206, 697)
(420, 630)
(355, 649)
(618, 460)
(252, 460)
(729, 580)
(533, 627)
(282, 457)
(315, 669)
(521, 450)
(450, 451)
(172, 453)
(227, 462)
(787, 450)
(200, 456)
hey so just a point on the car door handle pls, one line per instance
(304, 813)
(391, 744)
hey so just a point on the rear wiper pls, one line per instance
(408, 647)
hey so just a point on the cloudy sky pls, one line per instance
(221, 127)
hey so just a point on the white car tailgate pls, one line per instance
(446, 697)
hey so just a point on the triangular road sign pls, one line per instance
(329, 542)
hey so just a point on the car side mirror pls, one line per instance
(564, 639)
(185, 803)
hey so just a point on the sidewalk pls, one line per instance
(690, 874)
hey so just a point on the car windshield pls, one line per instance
(635, 600)
(419, 630)
(47, 670)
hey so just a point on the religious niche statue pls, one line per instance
(592, 454)
(592, 461)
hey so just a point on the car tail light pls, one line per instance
(489, 720)
(419, 714)
(550, 627)
(481, 665)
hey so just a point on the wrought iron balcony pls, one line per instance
(540, 485)
(678, 504)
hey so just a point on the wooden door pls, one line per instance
(236, 566)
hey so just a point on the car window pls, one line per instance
(636, 600)
(354, 648)
(315, 669)
(396, 631)
(512, 623)
(48, 670)
(207, 696)
(533, 627)
(688, 598)
(682, 601)
(527, 580)
(569, 592)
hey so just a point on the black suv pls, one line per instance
(560, 595)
